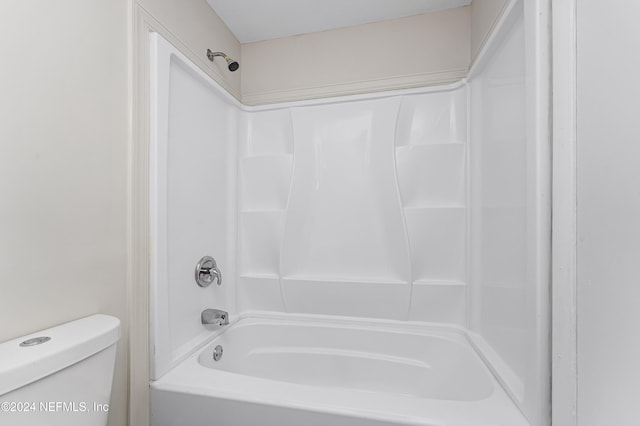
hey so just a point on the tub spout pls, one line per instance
(214, 316)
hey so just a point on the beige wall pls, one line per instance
(484, 17)
(197, 28)
(420, 50)
(63, 163)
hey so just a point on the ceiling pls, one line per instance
(255, 20)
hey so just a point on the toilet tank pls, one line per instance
(63, 380)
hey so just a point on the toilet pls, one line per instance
(61, 375)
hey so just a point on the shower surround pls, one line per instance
(382, 254)
(367, 219)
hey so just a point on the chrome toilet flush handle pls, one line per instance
(207, 271)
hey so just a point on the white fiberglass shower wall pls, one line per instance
(356, 208)
(423, 206)
(510, 209)
(193, 203)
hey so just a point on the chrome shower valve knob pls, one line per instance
(207, 271)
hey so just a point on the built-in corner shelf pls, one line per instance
(431, 164)
(265, 175)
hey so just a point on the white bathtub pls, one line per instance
(289, 370)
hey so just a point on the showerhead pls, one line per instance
(233, 65)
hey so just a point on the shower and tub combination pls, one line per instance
(376, 259)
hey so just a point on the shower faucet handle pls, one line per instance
(207, 271)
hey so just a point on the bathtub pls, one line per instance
(293, 370)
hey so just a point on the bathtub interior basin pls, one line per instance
(364, 359)
(291, 369)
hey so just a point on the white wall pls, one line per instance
(510, 207)
(608, 167)
(63, 159)
(193, 202)
(431, 48)
(499, 201)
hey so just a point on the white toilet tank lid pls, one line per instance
(69, 343)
